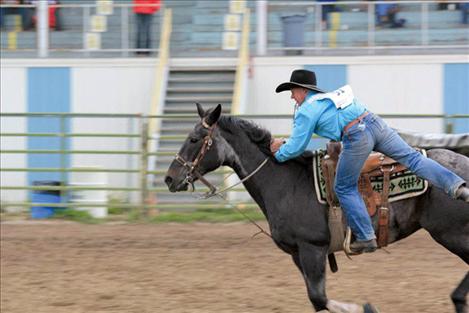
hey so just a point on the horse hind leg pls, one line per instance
(459, 295)
(455, 239)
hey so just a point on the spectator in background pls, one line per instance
(325, 10)
(54, 14)
(465, 12)
(144, 10)
(386, 15)
(27, 16)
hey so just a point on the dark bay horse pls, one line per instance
(297, 221)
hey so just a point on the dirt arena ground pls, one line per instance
(174, 268)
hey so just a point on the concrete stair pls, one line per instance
(208, 86)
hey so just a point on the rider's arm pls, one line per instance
(305, 122)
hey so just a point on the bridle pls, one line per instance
(193, 167)
(193, 170)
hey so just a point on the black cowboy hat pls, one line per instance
(300, 78)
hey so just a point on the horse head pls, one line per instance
(201, 152)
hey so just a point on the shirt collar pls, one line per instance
(309, 95)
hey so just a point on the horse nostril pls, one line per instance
(168, 180)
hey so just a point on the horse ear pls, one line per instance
(214, 115)
(200, 110)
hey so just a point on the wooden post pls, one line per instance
(63, 160)
(144, 168)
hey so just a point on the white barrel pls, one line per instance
(90, 179)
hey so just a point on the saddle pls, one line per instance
(377, 165)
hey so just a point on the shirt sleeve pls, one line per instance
(304, 125)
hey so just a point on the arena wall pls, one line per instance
(394, 84)
(385, 84)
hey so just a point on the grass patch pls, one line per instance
(76, 216)
(117, 210)
(208, 215)
(114, 205)
(221, 215)
(134, 216)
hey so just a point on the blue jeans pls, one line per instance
(374, 134)
(143, 31)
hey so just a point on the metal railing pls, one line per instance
(103, 28)
(362, 32)
(92, 30)
(137, 147)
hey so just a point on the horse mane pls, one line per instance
(260, 136)
(257, 134)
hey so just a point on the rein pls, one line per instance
(220, 192)
(193, 170)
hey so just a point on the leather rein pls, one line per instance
(193, 167)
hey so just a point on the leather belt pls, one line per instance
(355, 121)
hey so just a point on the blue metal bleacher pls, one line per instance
(198, 27)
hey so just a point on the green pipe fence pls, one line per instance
(138, 145)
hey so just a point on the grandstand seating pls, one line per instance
(198, 27)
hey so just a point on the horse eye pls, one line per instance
(194, 140)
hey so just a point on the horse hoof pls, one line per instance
(370, 308)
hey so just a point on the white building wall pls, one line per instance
(264, 100)
(386, 84)
(13, 99)
(401, 89)
(110, 88)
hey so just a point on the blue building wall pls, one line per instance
(329, 78)
(456, 94)
(48, 90)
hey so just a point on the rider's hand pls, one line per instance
(275, 144)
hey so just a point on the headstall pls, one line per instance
(193, 171)
(192, 167)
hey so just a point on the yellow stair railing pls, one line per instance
(160, 72)
(243, 63)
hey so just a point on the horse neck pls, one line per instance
(246, 158)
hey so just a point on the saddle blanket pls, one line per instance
(402, 185)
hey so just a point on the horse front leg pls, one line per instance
(311, 261)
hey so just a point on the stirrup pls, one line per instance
(347, 241)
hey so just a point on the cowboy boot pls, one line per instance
(366, 246)
(462, 193)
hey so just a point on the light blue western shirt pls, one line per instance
(320, 117)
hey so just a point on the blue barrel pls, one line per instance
(45, 196)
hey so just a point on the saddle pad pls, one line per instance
(402, 185)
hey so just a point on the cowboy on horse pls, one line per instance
(339, 116)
